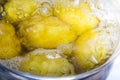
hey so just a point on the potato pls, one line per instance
(46, 64)
(9, 44)
(19, 10)
(45, 33)
(94, 47)
(79, 16)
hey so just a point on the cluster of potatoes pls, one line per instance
(28, 25)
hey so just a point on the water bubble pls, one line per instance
(3, 13)
(46, 9)
(76, 2)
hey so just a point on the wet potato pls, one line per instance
(47, 64)
(80, 17)
(17, 11)
(94, 47)
(47, 33)
(9, 43)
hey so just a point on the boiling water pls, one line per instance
(104, 12)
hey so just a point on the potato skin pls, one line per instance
(80, 16)
(17, 11)
(9, 43)
(46, 33)
(47, 64)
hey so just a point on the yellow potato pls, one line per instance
(47, 64)
(9, 44)
(19, 10)
(80, 17)
(45, 33)
(94, 47)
